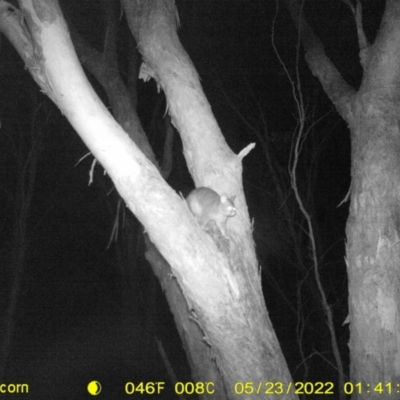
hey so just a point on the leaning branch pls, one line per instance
(340, 93)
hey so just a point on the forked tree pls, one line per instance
(373, 231)
(212, 281)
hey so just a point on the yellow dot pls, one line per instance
(94, 388)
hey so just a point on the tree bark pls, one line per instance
(373, 229)
(219, 278)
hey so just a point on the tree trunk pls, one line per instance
(373, 248)
(218, 277)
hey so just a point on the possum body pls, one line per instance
(207, 205)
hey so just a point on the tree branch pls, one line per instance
(105, 69)
(382, 73)
(340, 93)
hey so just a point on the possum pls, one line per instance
(207, 205)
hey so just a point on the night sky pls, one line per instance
(73, 319)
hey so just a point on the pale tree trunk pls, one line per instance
(373, 228)
(218, 277)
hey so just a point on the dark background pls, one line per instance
(72, 323)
